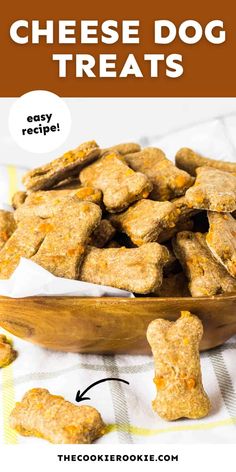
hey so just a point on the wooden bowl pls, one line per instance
(110, 325)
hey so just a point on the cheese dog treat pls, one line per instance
(178, 378)
(136, 270)
(7, 226)
(47, 203)
(120, 185)
(144, 220)
(52, 418)
(206, 276)
(104, 232)
(213, 190)
(123, 148)
(188, 160)
(168, 181)
(7, 353)
(63, 248)
(65, 166)
(18, 199)
(221, 240)
(24, 242)
(173, 285)
(167, 234)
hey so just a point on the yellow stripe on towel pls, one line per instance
(12, 176)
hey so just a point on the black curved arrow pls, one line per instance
(79, 396)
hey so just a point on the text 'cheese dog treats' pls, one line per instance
(206, 276)
(188, 160)
(52, 418)
(63, 247)
(7, 353)
(168, 181)
(213, 190)
(221, 239)
(136, 270)
(120, 185)
(67, 165)
(7, 226)
(178, 379)
(145, 220)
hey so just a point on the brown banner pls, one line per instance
(209, 69)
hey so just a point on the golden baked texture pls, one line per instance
(178, 379)
(67, 165)
(137, 270)
(206, 276)
(120, 185)
(145, 220)
(63, 247)
(213, 190)
(52, 418)
(221, 239)
(18, 199)
(7, 353)
(168, 181)
(123, 148)
(189, 161)
(7, 226)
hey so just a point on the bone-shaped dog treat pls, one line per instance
(221, 239)
(7, 353)
(120, 185)
(213, 190)
(69, 164)
(188, 160)
(168, 181)
(7, 226)
(18, 199)
(136, 270)
(178, 379)
(52, 418)
(123, 148)
(68, 233)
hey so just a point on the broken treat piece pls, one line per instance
(7, 226)
(188, 160)
(178, 378)
(65, 166)
(63, 248)
(102, 234)
(213, 190)
(145, 220)
(7, 353)
(24, 242)
(168, 181)
(137, 270)
(18, 199)
(48, 203)
(221, 240)
(53, 418)
(123, 148)
(173, 285)
(120, 185)
(206, 276)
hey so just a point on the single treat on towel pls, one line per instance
(145, 220)
(104, 232)
(213, 190)
(18, 199)
(206, 276)
(51, 417)
(69, 164)
(48, 203)
(137, 270)
(24, 242)
(188, 160)
(173, 285)
(63, 248)
(7, 353)
(178, 378)
(123, 148)
(168, 181)
(120, 185)
(7, 226)
(221, 239)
